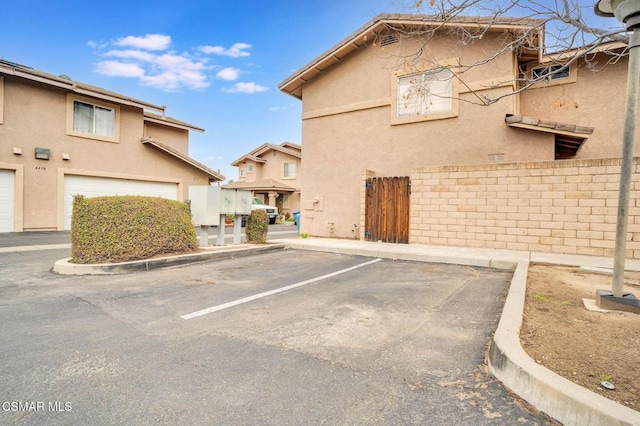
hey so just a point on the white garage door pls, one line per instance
(7, 197)
(97, 186)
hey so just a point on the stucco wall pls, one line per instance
(175, 138)
(35, 115)
(274, 167)
(557, 207)
(596, 99)
(347, 128)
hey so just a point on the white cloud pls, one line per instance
(148, 42)
(246, 88)
(132, 54)
(235, 51)
(148, 59)
(171, 72)
(229, 74)
(119, 69)
(212, 50)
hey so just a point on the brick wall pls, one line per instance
(553, 206)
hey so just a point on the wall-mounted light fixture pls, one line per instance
(43, 153)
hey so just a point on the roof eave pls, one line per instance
(212, 174)
(175, 124)
(76, 87)
(292, 85)
(246, 157)
(265, 147)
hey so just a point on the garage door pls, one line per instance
(7, 197)
(90, 186)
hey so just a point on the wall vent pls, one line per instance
(388, 39)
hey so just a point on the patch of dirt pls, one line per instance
(583, 346)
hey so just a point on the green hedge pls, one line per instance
(123, 228)
(257, 227)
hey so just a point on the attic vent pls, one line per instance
(388, 39)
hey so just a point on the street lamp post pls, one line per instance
(627, 12)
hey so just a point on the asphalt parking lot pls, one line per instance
(372, 342)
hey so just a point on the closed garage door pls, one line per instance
(96, 186)
(7, 197)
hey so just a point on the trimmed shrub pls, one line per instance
(123, 228)
(257, 227)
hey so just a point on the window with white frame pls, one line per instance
(425, 93)
(289, 170)
(94, 119)
(242, 172)
(285, 200)
(250, 168)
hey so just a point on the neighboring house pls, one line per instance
(272, 172)
(362, 110)
(60, 137)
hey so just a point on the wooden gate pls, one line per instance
(387, 209)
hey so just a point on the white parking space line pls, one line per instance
(271, 292)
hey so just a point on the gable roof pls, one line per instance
(213, 176)
(171, 122)
(284, 147)
(66, 83)
(292, 85)
(262, 185)
(291, 145)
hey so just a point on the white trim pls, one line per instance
(7, 200)
(447, 64)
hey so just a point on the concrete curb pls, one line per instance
(64, 267)
(549, 392)
(498, 259)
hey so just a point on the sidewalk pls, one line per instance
(545, 390)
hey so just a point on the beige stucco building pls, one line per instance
(272, 172)
(385, 100)
(60, 137)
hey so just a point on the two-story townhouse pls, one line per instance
(272, 172)
(388, 100)
(60, 137)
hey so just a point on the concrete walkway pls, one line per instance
(545, 390)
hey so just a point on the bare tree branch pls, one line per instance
(557, 35)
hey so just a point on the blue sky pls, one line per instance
(214, 64)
